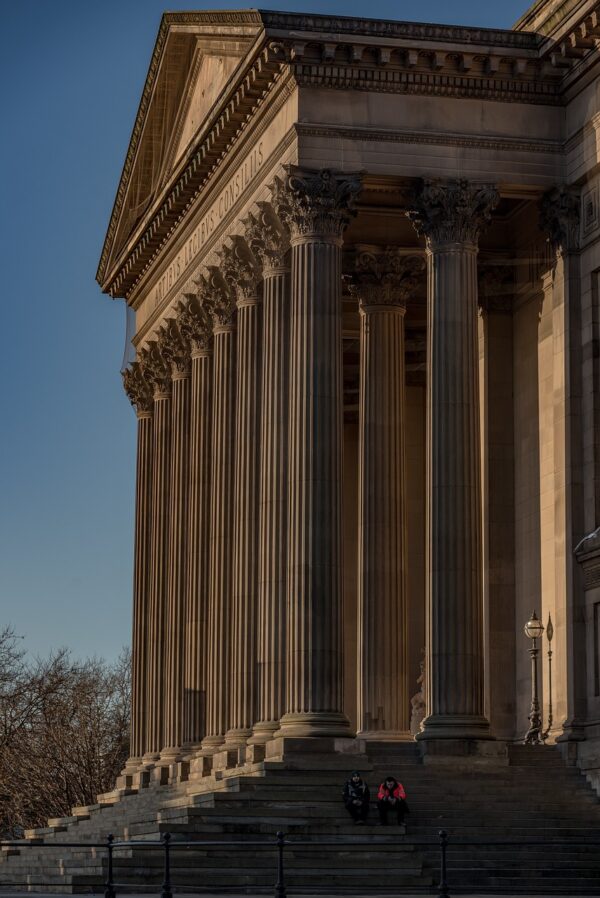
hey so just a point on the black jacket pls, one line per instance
(354, 791)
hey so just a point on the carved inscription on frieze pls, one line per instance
(205, 227)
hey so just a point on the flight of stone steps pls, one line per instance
(534, 797)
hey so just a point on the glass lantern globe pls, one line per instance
(534, 627)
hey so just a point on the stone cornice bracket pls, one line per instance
(267, 239)
(452, 211)
(196, 324)
(158, 369)
(138, 388)
(175, 349)
(496, 286)
(384, 277)
(559, 219)
(220, 301)
(239, 269)
(315, 203)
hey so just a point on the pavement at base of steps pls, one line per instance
(8, 893)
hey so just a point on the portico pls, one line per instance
(358, 374)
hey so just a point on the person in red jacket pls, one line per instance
(391, 797)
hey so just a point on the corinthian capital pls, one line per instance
(384, 277)
(559, 218)
(196, 325)
(452, 211)
(239, 270)
(219, 300)
(158, 370)
(315, 203)
(267, 239)
(138, 388)
(175, 349)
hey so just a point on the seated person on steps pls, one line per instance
(356, 798)
(391, 797)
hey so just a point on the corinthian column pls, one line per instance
(139, 391)
(241, 276)
(450, 216)
(176, 351)
(269, 245)
(221, 510)
(382, 281)
(315, 207)
(195, 323)
(160, 374)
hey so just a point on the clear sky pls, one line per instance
(71, 74)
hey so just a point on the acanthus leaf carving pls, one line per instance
(239, 269)
(158, 370)
(219, 299)
(138, 387)
(384, 276)
(175, 349)
(452, 211)
(559, 218)
(196, 323)
(266, 238)
(315, 203)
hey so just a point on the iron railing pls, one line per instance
(112, 889)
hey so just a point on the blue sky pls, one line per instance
(71, 73)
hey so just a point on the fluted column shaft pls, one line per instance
(177, 561)
(161, 472)
(242, 713)
(382, 650)
(451, 214)
(195, 675)
(315, 206)
(221, 539)
(141, 583)
(273, 504)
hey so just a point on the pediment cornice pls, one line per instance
(312, 50)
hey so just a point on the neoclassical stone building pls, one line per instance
(363, 260)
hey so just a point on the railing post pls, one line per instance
(443, 889)
(280, 884)
(166, 887)
(109, 891)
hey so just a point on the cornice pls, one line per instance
(478, 142)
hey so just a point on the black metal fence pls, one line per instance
(281, 842)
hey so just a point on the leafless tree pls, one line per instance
(64, 732)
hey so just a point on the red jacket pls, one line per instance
(384, 792)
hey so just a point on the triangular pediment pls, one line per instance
(195, 56)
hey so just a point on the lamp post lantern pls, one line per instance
(549, 635)
(533, 630)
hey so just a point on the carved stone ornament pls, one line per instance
(315, 203)
(496, 286)
(196, 324)
(451, 211)
(266, 238)
(158, 370)
(175, 349)
(138, 387)
(239, 269)
(213, 291)
(384, 277)
(559, 219)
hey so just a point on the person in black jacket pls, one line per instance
(356, 798)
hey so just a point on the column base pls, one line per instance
(308, 724)
(264, 731)
(237, 738)
(454, 726)
(386, 735)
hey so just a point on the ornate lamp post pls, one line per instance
(533, 630)
(549, 635)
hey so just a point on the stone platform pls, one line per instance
(532, 796)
